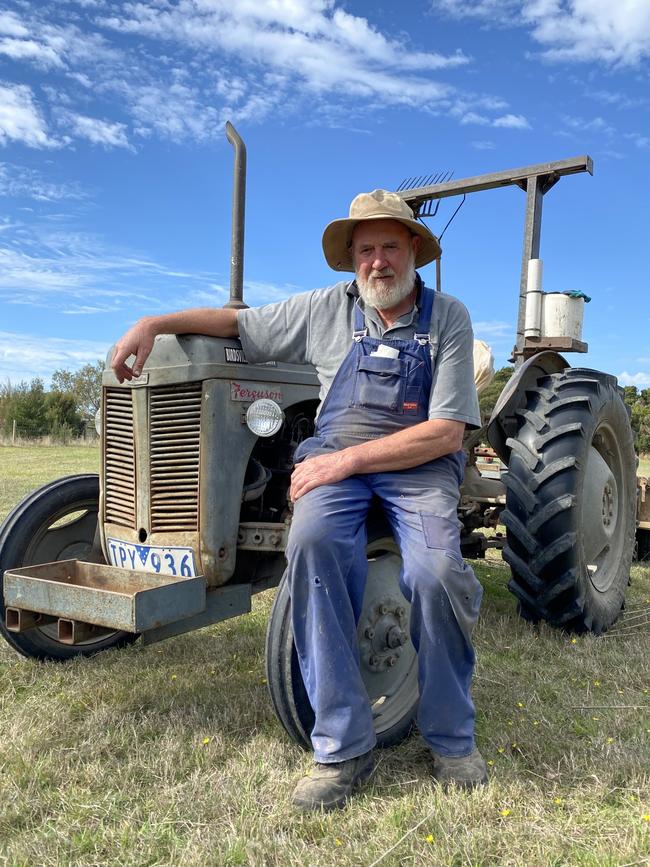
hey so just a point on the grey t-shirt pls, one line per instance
(316, 328)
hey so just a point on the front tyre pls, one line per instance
(388, 658)
(55, 522)
(570, 502)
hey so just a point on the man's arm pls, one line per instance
(138, 340)
(399, 451)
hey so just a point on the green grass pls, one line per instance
(23, 468)
(644, 466)
(171, 754)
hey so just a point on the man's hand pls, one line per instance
(137, 341)
(321, 470)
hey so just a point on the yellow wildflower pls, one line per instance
(504, 812)
(206, 741)
(558, 800)
(429, 838)
(173, 677)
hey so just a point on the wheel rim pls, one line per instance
(602, 509)
(68, 534)
(388, 658)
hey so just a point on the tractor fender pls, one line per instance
(503, 421)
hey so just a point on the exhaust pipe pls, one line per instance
(238, 208)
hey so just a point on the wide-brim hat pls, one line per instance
(377, 205)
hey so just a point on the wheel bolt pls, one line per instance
(370, 632)
(383, 610)
(374, 661)
(391, 661)
(399, 611)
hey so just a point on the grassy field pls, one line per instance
(171, 754)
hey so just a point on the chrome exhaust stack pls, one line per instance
(238, 211)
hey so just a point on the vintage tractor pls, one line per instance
(189, 516)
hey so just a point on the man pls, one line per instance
(395, 364)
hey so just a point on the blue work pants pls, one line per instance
(327, 570)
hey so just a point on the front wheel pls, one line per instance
(570, 502)
(388, 667)
(55, 522)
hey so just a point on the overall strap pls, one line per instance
(423, 327)
(360, 329)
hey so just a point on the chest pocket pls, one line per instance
(380, 383)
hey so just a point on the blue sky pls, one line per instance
(115, 174)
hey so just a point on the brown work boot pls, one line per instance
(466, 772)
(328, 786)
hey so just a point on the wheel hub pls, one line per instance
(383, 633)
(600, 516)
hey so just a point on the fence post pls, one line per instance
(13, 433)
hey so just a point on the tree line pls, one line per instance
(65, 410)
(69, 406)
(637, 400)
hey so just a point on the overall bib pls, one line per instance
(374, 395)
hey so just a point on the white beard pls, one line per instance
(383, 295)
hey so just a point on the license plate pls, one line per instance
(152, 558)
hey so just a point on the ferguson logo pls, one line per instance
(253, 391)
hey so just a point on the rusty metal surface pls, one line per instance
(118, 457)
(74, 632)
(238, 212)
(508, 177)
(103, 595)
(17, 620)
(262, 537)
(174, 450)
(220, 604)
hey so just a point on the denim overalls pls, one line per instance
(374, 395)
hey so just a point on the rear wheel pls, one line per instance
(388, 658)
(55, 522)
(570, 503)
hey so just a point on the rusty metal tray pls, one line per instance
(103, 595)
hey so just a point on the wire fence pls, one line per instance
(16, 433)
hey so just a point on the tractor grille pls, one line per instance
(175, 432)
(119, 457)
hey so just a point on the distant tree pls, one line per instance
(639, 403)
(25, 404)
(84, 384)
(491, 394)
(63, 420)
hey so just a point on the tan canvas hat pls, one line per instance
(377, 205)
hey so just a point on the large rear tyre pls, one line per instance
(55, 522)
(389, 669)
(570, 501)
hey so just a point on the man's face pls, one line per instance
(383, 252)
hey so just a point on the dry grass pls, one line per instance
(171, 755)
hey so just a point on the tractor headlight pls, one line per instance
(264, 417)
(98, 422)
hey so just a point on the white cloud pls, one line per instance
(245, 61)
(506, 121)
(483, 145)
(27, 356)
(493, 330)
(511, 121)
(20, 117)
(21, 181)
(570, 30)
(640, 379)
(97, 131)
